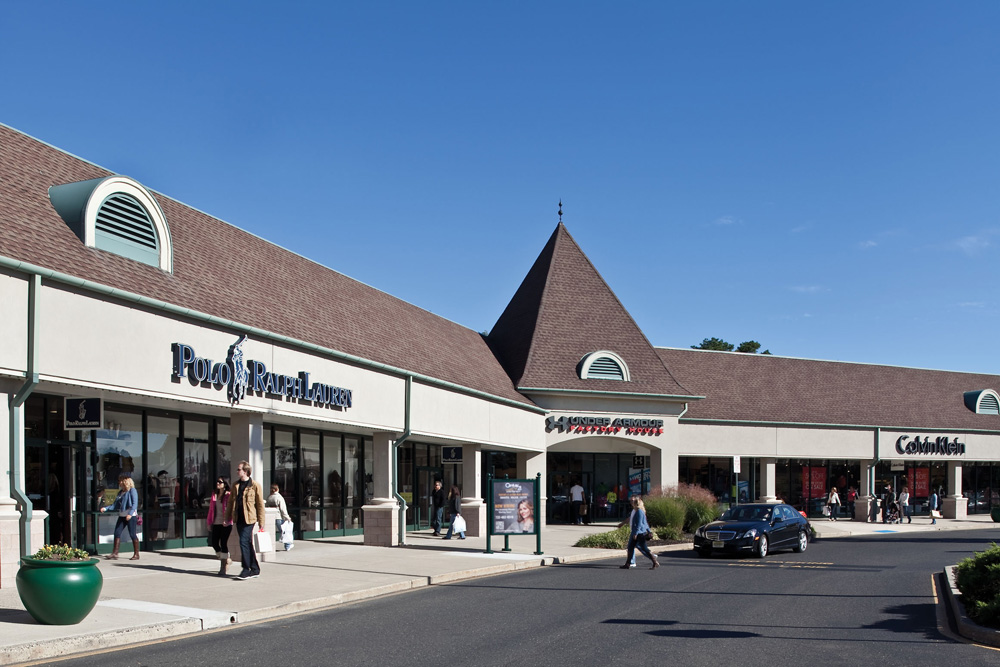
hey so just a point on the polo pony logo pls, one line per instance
(238, 371)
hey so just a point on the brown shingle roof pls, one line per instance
(564, 310)
(765, 388)
(231, 274)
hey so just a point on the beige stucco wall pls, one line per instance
(13, 324)
(439, 413)
(774, 441)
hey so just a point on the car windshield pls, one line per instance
(747, 513)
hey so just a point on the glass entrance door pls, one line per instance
(60, 480)
(423, 505)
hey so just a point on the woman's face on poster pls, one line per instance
(523, 510)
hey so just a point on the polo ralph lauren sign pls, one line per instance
(939, 446)
(240, 375)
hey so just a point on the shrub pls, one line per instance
(666, 514)
(614, 539)
(700, 506)
(978, 578)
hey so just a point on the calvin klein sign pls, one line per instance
(939, 446)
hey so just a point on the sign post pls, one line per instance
(511, 510)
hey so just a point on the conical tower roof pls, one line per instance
(564, 311)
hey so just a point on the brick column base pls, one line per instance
(474, 513)
(381, 523)
(10, 541)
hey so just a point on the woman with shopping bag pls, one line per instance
(455, 511)
(284, 521)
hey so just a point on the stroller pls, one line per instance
(892, 513)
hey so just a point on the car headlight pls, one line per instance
(750, 533)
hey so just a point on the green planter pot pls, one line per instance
(59, 592)
(995, 514)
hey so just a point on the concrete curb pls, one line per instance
(966, 627)
(65, 646)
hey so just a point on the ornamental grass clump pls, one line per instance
(978, 578)
(700, 506)
(60, 552)
(665, 516)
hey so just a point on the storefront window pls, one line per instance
(333, 498)
(310, 476)
(285, 463)
(197, 482)
(223, 452)
(353, 481)
(163, 481)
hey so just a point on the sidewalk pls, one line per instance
(178, 592)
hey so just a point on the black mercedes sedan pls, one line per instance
(756, 528)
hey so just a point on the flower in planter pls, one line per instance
(60, 552)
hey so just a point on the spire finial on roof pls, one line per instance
(560, 210)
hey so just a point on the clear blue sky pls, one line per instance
(819, 177)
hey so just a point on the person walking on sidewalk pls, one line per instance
(904, 503)
(577, 496)
(639, 529)
(277, 500)
(934, 503)
(833, 502)
(127, 506)
(246, 510)
(437, 507)
(455, 510)
(219, 528)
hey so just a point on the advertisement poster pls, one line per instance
(638, 481)
(920, 482)
(513, 507)
(814, 481)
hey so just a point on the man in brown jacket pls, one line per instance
(246, 508)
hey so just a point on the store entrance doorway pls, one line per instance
(424, 510)
(59, 478)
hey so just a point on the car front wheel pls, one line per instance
(762, 546)
(803, 542)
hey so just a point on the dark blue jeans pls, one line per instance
(248, 555)
(638, 542)
(438, 517)
(124, 521)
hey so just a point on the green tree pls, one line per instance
(747, 347)
(714, 344)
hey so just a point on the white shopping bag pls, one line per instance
(287, 536)
(458, 524)
(262, 542)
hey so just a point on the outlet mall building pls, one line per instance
(140, 335)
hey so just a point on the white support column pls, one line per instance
(664, 468)
(768, 475)
(956, 506)
(866, 492)
(473, 505)
(246, 436)
(381, 516)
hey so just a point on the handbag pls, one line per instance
(583, 509)
(262, 542)
(458, 524)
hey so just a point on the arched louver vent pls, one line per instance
(603, 365)
(983, 401)
(124, 218)
(605, 368)
(989, 405)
